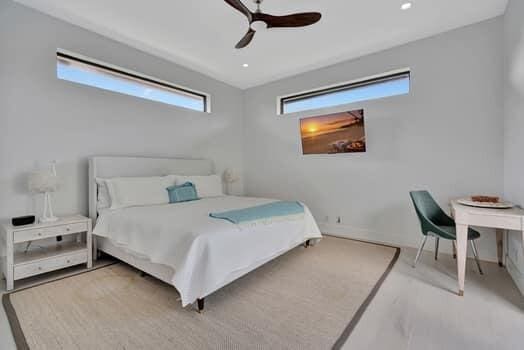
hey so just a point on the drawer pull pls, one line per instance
(68, 261)
(40, 233)
(68, 229)
(40, 268)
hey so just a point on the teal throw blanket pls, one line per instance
(260, 212)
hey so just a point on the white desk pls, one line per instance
(500, 219)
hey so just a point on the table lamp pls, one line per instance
(229, 178)
(45, 182)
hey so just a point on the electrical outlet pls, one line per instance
(339, 221)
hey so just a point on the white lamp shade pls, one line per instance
(43, 181)
(229, 176)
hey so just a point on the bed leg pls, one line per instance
(143, 274)
(200, 303)
(307, 244)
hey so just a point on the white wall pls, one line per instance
(514, 125)
(43, 118)
(446, 136)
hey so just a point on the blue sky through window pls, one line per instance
(92, 76)
(372, 91)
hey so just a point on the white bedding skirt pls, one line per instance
(204, 253)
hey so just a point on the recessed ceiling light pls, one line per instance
(406, 6)
(245, 65)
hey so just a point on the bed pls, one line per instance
(180, 243)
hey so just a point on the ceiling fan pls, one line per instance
(294, 20)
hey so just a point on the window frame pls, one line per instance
(137, 77)
(348, 85)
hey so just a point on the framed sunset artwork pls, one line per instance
(342, 132)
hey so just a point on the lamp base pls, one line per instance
(48, 219)
(48, 215)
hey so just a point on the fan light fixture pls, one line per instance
(258, 26)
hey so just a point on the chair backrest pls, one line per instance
(427, 209)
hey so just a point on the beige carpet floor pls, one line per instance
(306, 299)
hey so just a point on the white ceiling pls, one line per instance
(201, 35)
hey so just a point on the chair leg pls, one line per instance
(454, 249)
(420, 251)
(436, 247)
(200, 303)
(476, 255)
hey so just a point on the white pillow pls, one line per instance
(103, 198)
(206, 186)
(137, 191)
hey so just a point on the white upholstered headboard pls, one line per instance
(107, 167)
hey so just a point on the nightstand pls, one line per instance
(74, 249)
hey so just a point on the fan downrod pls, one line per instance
(258, 3)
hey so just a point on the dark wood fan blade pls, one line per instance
(246, 39)
(296, 20)
(236, 4)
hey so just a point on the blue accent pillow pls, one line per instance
(182, 193)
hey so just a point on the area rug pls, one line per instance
(309, 298)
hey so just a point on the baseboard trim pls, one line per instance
(393, 239)
(347, 231)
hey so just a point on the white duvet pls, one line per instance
(205, 253)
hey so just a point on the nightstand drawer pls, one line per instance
(49, 264)
(45, 232)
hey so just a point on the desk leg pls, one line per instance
(462, 250)
(500, 247)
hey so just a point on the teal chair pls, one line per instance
(436, 223)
